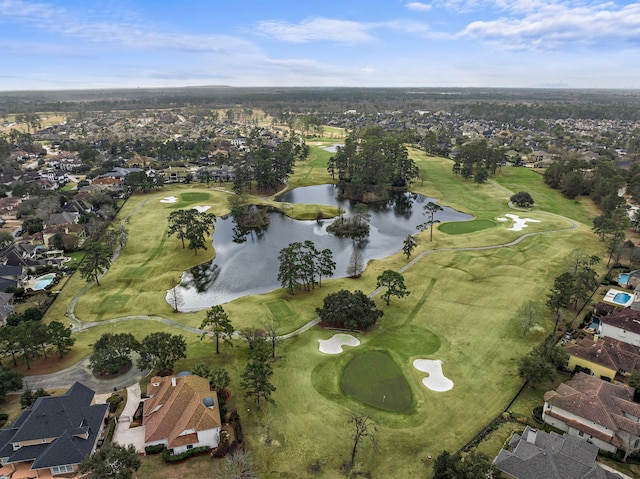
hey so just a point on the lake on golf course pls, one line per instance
(251, 267)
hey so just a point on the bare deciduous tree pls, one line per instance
(174, 296)
(356, 263)
(363, 428)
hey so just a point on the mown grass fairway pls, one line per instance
(375, 379)
(464, 227)
(461, 310)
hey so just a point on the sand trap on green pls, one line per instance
(436, 381)
(374, 378)
(518, 223)
(169, 199)
(201, 209)
(334, 344)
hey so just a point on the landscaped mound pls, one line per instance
(463, 227)
(374, 378)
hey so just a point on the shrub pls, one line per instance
(3, 419)
(155, 449)
(196, 451)
(112, 429)
(238, 428)
(222, 449)
(580, 369)
(606, 378)
(114, 401)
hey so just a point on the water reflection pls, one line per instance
(251, 266)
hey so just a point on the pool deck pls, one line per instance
(611, 294)
(31, 284)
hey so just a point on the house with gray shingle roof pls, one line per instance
(53, 435)
(541, 455)
(596, 411)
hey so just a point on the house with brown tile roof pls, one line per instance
(604, 357)
(597, 411)
(622, 324)
(181, 413)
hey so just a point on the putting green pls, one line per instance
(194, 196)
(375, 379)
(279, 309)
(463, 227)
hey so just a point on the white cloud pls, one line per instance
(418, 6)
(368, 69)
(115, 30)
(556, 24)
(317, 29)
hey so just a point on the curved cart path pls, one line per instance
(80, 371)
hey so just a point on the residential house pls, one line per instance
(5, 307)
(176, 174)
(107, 184)
(65, 217)
(541, 455)
(22, 255)
(53, 435)
(181, 413)
(11, 277)
(72, 235)
(596, 411)
(622, 324)
(604, 357)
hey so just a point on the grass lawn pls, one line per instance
(461, 310)
(374, 378)
(464, 227)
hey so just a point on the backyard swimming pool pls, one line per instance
(623, 279)
(618, 297)
(43, 281)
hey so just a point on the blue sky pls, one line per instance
(67, 44)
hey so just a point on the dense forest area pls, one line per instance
(492, 104)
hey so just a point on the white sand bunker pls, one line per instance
(201, 209)
(518, 223)
(436, 380)
(334, 345)
(169, 199)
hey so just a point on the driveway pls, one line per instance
(82, 373)
(124, 434)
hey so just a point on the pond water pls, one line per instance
(251, 267)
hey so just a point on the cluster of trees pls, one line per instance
(575, 177)
(477, 159)
(370, 161)
(575, 284)
(111, 352)
(356, 227)
(9, 381)
(193, 226)
(33, 339)
(541, 364)
(141, 181)
(303, 266)
(344, 309)
(268, 168)
(457, 466)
